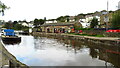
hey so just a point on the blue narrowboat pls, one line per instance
(9, 36)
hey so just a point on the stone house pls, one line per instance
(57, 27)
(71, 18)
(106, 19)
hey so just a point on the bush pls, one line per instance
(116, 19)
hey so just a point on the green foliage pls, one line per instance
(81, 14)
(20, 27)
(41, 21)
(38, 22)
(51, 19)
(89, 13)
(15, 26)
(94, 22)
(8, 25)
(85, 29)
(77, 25)
(75, 18)
(2, 7)
(14, 23)
(116, 19)
(87, 35)
(63, 18)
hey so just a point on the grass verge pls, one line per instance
(87, 35)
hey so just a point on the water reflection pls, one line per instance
(43, 51)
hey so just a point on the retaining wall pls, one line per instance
(7, 59)
(99, 40)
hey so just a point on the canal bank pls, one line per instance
(8, 60)
(100, 40)
(52, 51)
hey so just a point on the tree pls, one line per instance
(41, 21)
(63, 18)
(94, 22)
(81, 14)
(2, 8)
(116, 19)
(51, 19)
(67, 18)
(18, 26)
(38, 22)
(77, 25)
(15, 22)
(6, 25)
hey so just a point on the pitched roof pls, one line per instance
(57, 24)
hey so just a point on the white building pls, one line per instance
(84, 23)
(71, 18)
(51, 21)
(31, 24)
(104, 12)
(25, 24)
(88, 18)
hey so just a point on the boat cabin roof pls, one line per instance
(8, 30)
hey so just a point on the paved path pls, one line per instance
(103, 38)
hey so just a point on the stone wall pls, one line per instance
(8, 59)
(100, 40)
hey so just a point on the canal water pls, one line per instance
(44, 51)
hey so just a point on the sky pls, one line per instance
(51, 9)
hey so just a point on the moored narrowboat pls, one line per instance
(10, 37)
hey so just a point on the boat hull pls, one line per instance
(11, 40)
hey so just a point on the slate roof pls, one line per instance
(57, 24)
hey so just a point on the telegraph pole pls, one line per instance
(107, 15)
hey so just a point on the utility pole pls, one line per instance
(107, 15)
